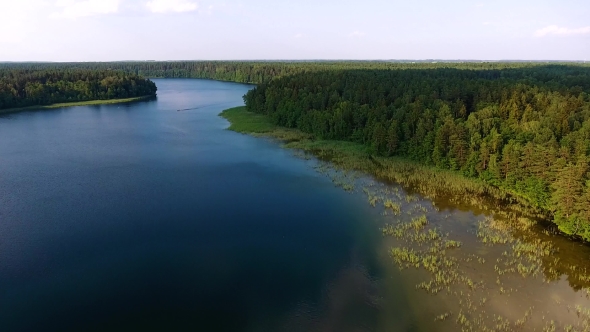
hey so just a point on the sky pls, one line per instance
(113, 30)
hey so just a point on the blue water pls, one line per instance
(141, 217)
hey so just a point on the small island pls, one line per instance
(26, 89)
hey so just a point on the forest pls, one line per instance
(525, 130)
(24, 87)
(258, 72)
(521, 127)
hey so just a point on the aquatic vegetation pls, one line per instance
(394, 207)
(419, 208)
(430, 254)
(373, 200)
(510, 244)
(493, 232)
(417, 224)
(427, 248)
(449, 244)
(424, 246)
(442, 316)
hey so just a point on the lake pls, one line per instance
(151, 216)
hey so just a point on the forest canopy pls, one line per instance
(24, 87)
(526, 130)
(258, 72)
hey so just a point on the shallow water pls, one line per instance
(143, 217)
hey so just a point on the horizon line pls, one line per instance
(305, 60)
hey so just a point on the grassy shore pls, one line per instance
(77, 103)
(428, 181)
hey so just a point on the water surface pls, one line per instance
(140, 216)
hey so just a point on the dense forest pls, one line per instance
(256, 72)
(23, 87)
(526, 130)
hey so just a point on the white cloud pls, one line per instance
(299, 35)
(176, 6)
(76, 8)
(19, 18)
(560, 31)
(208, 11)
(357, 34)
(10, 7)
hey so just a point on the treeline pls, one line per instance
(23, 87)
(258, 72)
(523, 129)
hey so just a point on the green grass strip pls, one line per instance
(76, 103)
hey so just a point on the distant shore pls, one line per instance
(76, 103)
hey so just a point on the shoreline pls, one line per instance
(431, 182)
(478, 265)
(75, 103)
